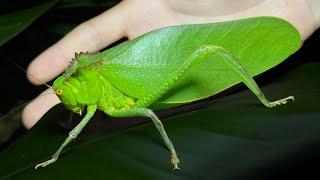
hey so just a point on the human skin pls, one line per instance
(131, 18)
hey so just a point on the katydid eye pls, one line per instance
(58, 92)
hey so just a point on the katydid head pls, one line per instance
(66, 93)
(78, 91)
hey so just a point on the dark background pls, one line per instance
(15, 89)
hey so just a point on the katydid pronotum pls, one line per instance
(173, 66)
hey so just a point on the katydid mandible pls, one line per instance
(173, 66)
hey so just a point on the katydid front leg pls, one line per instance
(72, 135)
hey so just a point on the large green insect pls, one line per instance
(173, 66)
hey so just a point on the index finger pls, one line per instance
(91, 36)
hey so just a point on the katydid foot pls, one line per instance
(175, 161)
(55, 156)
(280, 102)
(46, 163)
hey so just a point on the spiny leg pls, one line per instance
(127, 112)
(196, 57)
(174, 157)
(236, 66)
(72, 135)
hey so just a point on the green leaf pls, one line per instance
(11, 24)
(233, 137)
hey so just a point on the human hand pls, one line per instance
(131, 18)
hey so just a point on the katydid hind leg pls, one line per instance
(130, 112)
(197, 56)
(236, 66)
(72, 135)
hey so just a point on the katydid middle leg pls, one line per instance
(131, 112)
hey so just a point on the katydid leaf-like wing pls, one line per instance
(260, 43)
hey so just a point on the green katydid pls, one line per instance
(173, 66)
